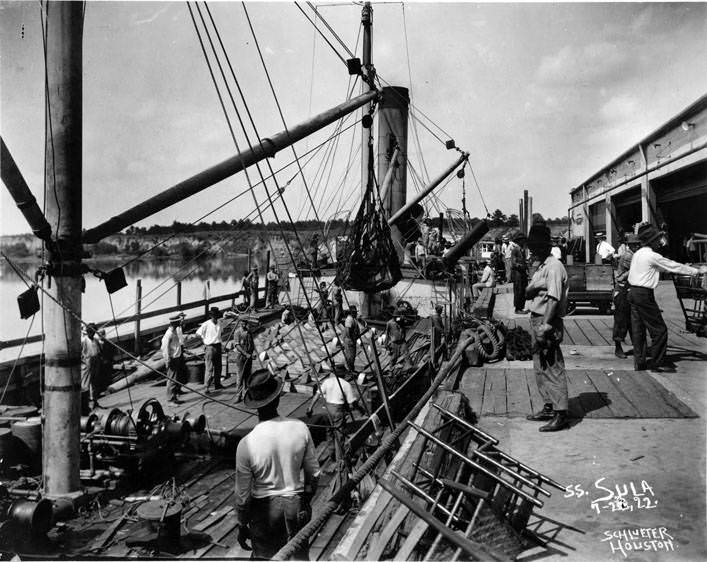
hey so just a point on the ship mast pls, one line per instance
(62, 347)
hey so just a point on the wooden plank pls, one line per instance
(212, 519)
(518, 395)
(499, 392)
(216, 534)
(377, 547)
(324, 536)
(472, 385)
(616, 402)
(575, 333)
(578, 386)
(669, 398)
(567, 337)
(536, 401)
(600, 332)
(487, 406)
(411, 541)
(638, 389)
(582, 329)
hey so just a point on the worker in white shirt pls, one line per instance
(172, 352)
(643, 277)
(90, 368)
(604, 249)
(506, 251)
(210, 333)
(272, 280)
(488, 279)
(276, 474)
(339, 397)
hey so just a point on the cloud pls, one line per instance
(588, 64)
(619, 108)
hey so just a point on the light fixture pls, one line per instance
(685, 126)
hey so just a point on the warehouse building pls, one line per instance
(662, 180)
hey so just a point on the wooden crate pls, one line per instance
(576, 277)
(599, 277)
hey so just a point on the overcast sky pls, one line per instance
(541, 95)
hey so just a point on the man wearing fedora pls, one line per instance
(548, 294)
(349, 336)
(643, 277)
(276, 473)
(604, 249)
(210, 333)
(172, 353)
(622, 308)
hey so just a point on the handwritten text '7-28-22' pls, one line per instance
(619, 497)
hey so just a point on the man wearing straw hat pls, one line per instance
(210, 333)
(173, 356)
(276, 473)
(643, 277)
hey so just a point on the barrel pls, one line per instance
(29, 440)
(20, 411)
(166, 523)
(195, 372)
(7, 448)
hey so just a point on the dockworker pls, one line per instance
(253, 282)
(106, 369)
(437, 336)
(272, 280)
(349, 337)
(210, 333)
(395, 342)
(488, 279)
(323, 305)
(340, 398)
(276, 474)
(245, 287)
(90, 368)
(287, 317)
(604, 249)
(548, 292)
(337, 301)
(173, 354)
(507, 253)
(563, 249)
(622, 308)
(244, 347)
(555, 250)
(643, 277)
(519, 273)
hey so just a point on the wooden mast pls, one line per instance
(370, 73)
(62, 348)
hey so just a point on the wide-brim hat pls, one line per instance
(648, 233)
(519, 237)
(539, 234)
(264, 387)
(632, 239)
(214, 312)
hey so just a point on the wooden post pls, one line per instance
(138, 312)
(179, 293)
(63, 172)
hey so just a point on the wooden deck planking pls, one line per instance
(578, 388)
(617, 402)
(600, 330)
(638, 390)
(575, 333)
(536, 401)
(567, 337)
(580, 323)
(488, 405)
(518, 395)
(472, 385)
(669, 398)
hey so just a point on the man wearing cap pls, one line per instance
(90, 368)
(604, 249)
(519, 273)
(244, 347)
(349, 337)
(271, 282)
(622, 308)
(210, 333)
(172, 343)
(643, 277)
(395, 342)
(276, 474)
(548, 294)
(488, 279)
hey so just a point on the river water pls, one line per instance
(212, 277)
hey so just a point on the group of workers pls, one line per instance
(250, 283)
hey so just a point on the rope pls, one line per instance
(12, 371)
(320, 33)
(301, 539)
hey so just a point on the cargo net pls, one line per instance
(370, 262)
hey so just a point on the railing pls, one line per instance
(139, 316)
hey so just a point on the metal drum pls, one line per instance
(165, 520)
(195, 371)
(32, 518)
(29, 436)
